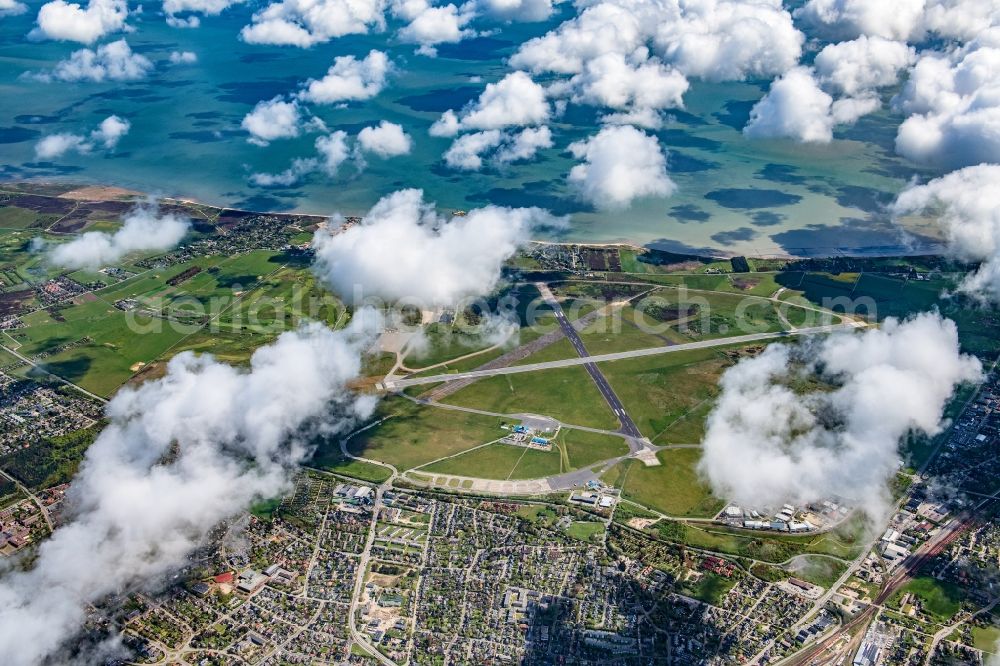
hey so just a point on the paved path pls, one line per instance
(399, 384)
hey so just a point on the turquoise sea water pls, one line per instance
(761, 197)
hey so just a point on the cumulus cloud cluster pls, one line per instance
(348, 79)
(712, 39)
(515, 100)
(949, 95)
(114, 61)
(806, 104)
(181, 454)
(430, 25)
(191, 8)
(404, 251)
(332, 151)
(305, 23)
(12, 8)
(273, 119)
(69, 21)
(900, 20)
(620, 164)
(767, 444)
(384, 140)
(469, 152)
(106, 136)
(953, 102)
(142, 229)
(966, 205)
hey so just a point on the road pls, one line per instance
(33, 497)
(399, 384)
(359, 581)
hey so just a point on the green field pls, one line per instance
(495, 461)
(673, 487)
(818, 570)
(330, 460)
(584, 448)
(567, 394)
(414, 434)
(710, 588)
(668, 395)
(585, 530)
(986, 638)
(940, 599)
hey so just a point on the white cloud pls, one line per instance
(349, 79)
(846, 19)
(806, 104)
(647, 118)
(305, 23)
(403, 250)
(68, 21)
(300, 168)
(107, 135)
(114, 61)
(711, 39)
(180, 455)
(467, 152)
(729, 40)
(795, 107)
(12, 8)
(902, 20)
(525, 144)
(331, 152)
(610, 80)
(516, 10)
(273, 119)
(209, 7)
(862, 65)
(767, 443)
(385, 140)
(142, 229)
(514, 100)
(954, 102)
(183, 57)
(110, 131)
(621, 164)
(187, 22)
(429, 25)
(966, 205)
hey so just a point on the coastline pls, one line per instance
(80, 190)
